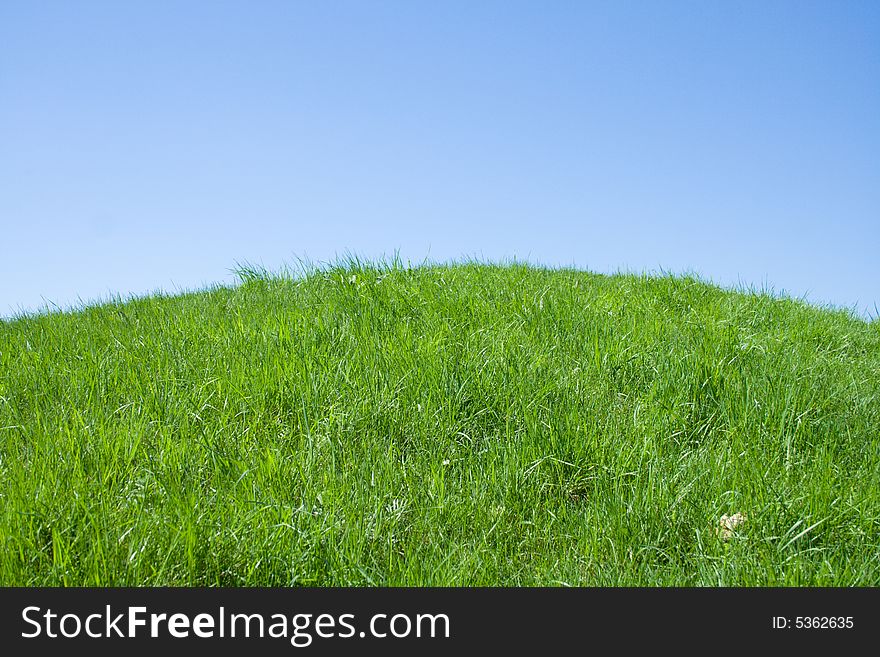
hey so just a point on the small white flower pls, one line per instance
(446, 461)
(729, 525)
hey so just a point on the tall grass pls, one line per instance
(462, 424)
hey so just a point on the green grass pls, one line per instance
(462, 424)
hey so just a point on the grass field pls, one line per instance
(464, 424)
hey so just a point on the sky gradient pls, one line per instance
(153, 145)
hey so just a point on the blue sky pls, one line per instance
(151, 145)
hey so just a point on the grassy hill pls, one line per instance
(444, 425)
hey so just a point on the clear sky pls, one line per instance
(151, 145)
